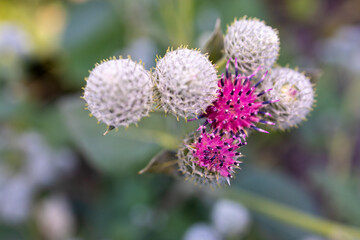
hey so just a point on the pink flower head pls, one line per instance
(216, 152)
(237, 105)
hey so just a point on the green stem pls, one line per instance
(178, 17)
(163, 139)
(291, 216)
(221, 63)
(341, 159)
(185, 21)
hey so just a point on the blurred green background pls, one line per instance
(86, 186)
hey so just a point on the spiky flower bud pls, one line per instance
(209, 158)
(119, 92)
(253, 43)
(238, 105)
(185, 82)
(295, 94)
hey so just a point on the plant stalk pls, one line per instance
(291, 216)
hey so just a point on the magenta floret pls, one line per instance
(217, 153)
(237, 106)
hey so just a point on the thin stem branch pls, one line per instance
(291, 216)
(220, 63)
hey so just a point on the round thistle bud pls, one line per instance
(253, 43)
(209, 158)
(238, 105)
(295, 94)
(185, 82)
(119, 92)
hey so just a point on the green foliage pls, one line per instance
(118, 152)
(215, 44)
(94, 31)
(115, 153)
(281, 188)
(343, 194)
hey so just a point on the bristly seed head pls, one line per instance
(253, 43)
(295, 94)
(185, 82)
(119, 92)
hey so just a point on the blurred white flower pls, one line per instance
(27, 163)
(201, 231)
(230, 218)
(14, 39)
(44, 165)
(313, 238)
(55, 219)
(15, 199)
(343, 48)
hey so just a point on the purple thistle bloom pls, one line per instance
(237, 106)
(217, 153)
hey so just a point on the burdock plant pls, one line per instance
(185, 83)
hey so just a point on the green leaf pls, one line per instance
(276, 186)
(124, 150)
(94, 32)
(164, 162)
(215, 45)
(118, 152)
(342, 194)
(291, 217)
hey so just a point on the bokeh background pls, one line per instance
(60, 178)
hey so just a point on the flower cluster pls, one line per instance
(236, 108)
(185, 83)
